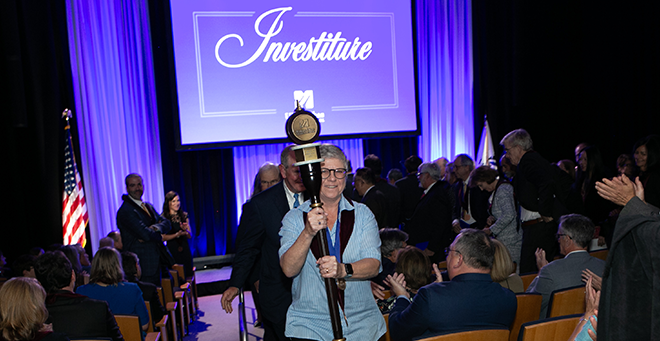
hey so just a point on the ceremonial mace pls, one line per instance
(303, 129)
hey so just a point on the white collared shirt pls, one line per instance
(289, 196)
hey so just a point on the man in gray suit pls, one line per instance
(574, 234)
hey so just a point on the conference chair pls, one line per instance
(188, 288)
(527, 279)
(161, 325)
(171, 308)
(178, 297)
(129, 326)
(567, 301)
(529, 308)
(551, 329)
(442, 265)
(472, 335)
(600, 254)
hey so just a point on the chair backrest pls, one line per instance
(527, 279)
(529, 308)
(387, 294)
(472, 335)
(159, 290)
(552, 329)
(442, 265)
(168, 294)
(150, 328)
(600, 254)
(129, 326)
(179, 269)
(567, 301)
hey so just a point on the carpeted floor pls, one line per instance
(213, 324)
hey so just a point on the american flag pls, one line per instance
(74, 209)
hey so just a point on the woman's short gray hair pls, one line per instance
(330, 151)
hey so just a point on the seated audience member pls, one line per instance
(24, 266)
(629, 291)
(107, 284)
(364, 183)
(106, 242)
(116, 236)
(23, 312)
(393, 176)
(132, 273)
(470, 299)
(574, 234)
(77, 316)
(84, 258)
(415, 267)
(391, 241)
(71, 253)
(504, 269)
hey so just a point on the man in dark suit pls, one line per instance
(541, 194)
(574, 235)
(431, 221)
(470, 204)
(373, 198)
(258, 235)
(470, 299)
(409, 188)
(141, 230)
(391, 192)
(77, 316)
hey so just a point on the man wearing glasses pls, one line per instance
(470, 299)
(430, 225)
(574, 235)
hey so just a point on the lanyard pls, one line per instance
(335, 249)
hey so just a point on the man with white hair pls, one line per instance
(542, 193)
(431, 221)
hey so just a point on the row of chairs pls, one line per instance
(181, 306)
(552, 329)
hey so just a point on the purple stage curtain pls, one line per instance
(248, 159)
(444, 51)
(113, 79)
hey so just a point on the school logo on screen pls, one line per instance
(306, 98)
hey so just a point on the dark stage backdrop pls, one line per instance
(574, 72)
(35, 88)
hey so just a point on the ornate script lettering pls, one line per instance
(327, 46)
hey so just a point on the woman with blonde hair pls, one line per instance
(23, 312)
(107, 284)
(504, 269)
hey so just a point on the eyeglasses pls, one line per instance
(558, 235)
(448, 250)
(420, 174)
(269, 183)
(340, 173)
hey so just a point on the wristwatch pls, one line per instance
(349, 270)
